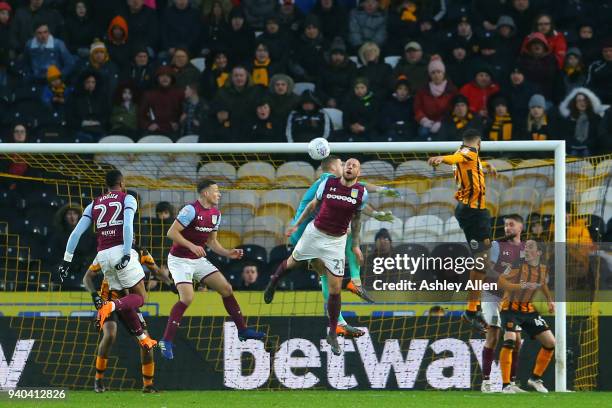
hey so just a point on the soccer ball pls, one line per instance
(318, 148)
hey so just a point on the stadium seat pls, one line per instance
(444, 182)
(279, 203)
(295, 173)
(221, 172)
(301, 87)
(454, 251)
(239, 204)
(372, 226)
(596, 200)
(415, 174)
(178, 172)
(534, 173)
(150, 198)
(376, 171)
(401, 207)
(230, 231)
(279, 253)
(423, 228)
(548, 201)
(199, 63)
(603, 168)
(254, 253)
(255, 173)
(116, 139)
(519, 200)
(335, 115)
(155, 139)
(579, 171)
(452, 231)
(492, 200)
(188, 139)
(438, 201)
(266, 231)
(142, 171)
(392, 60)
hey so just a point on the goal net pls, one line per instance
(413, 340)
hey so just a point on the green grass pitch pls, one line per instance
(322, 399)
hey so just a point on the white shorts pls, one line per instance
(126, 277)
(315, 244)
(186, 269)
(490, 306)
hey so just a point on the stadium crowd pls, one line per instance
(398, 70)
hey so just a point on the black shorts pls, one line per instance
(476, 225)
(530, 323)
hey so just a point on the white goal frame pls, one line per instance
(558, 147)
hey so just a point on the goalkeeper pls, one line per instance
(332, 167)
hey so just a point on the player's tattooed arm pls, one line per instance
(356, 234)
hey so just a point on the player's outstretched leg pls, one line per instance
(108, 339)
(473, 314)
(334, 303)
(217, 282)
(185, 290)
(276, 277)
(343, 329)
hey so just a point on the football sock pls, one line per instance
(325, 290)
(487, 361)
(333, 309)
(174, 320)
(132, 320)
(505, 361)
(131, 301)
(148, 371)
(472, 306)
(101, 364)
(233, 309)
(515, 364)
(542, 361)
(281, 271)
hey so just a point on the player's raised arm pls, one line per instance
(505, 281)
(88, 282)
(183, 219)
(73, 241)
(129, 211)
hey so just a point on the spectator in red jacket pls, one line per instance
(433, 101)
(480, 90)
(555, 39)
(161, 107)
(538, 64)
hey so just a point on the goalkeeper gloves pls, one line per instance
(63, 270)
(383, 216)
(389, 192)
(125, 260)
(97, 300)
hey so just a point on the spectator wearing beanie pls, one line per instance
(256, 12)
(141, 71)
(117, 43)
(307, 121)
(281, 98)
(44, 50)
(180, 25)
(214, 28)
(587, 42)
(215, 75)
(574, 71)
(465, 33)
(397, 118)
(519, 91)
(480, 90)
(413, 66)
(581, 113)
(239, 38)
(262, 67)
(460, 68)
(334, 18)
(161, 107)
(508, 42)
(402, 25)
(88, 109)
(264, 128)
(99, 61)
(220, 126)
(487, 13)
(143, 24)
(308, 52)
(523, 12)
(374, 69)
(538, 64)
(240, 97)
(459, 120)
(185, 72)
(501, 126)
(80, 29)
(55, 93)
(124, 115)
(289, 16)
(367, 23)
(337, 76)
(277, 41)
(26, 21)
(433, 102)
(556, 40)
(490, 57)
(361, 113)
(600, 73)
(538, 125)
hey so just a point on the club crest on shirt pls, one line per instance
(354, 193)
(214, 218)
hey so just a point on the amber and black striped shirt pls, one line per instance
(533, 278)
(469, 176)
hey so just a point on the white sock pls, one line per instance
(113, 306)
(142, 336)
